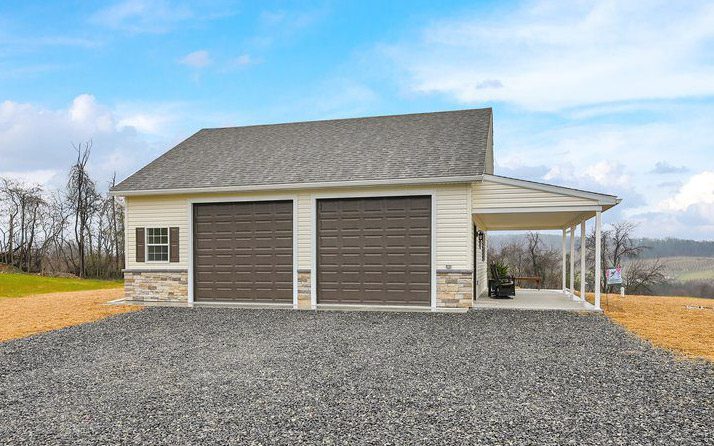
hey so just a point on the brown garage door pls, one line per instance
(374, 251)
(243, 251)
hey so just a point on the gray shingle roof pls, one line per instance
(424, 145)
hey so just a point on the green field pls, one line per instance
(686, 269)
(697, 276)
(16, 285)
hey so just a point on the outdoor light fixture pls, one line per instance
(481, 238)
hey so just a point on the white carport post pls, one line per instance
(572, 262)
(598, 263)
(582, 260)
(563, 262)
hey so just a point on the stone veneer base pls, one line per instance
(156, 286)
(304, 295)
(454, 289)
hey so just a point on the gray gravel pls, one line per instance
(226, 376)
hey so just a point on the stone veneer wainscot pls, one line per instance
(454, 289)
(304, 295)
(156, 286)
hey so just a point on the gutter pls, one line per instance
(292, 186)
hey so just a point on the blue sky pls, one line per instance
(610, 96)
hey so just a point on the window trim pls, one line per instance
(147, 244)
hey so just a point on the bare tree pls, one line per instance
(529, 257)
(641, 276)
(619, 247)
(22, 203)
(77, 230)
(82, 196)
(9, 193)
(117, 221)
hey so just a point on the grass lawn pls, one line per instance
(16, 285)
(681, 324)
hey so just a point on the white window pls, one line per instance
(157, 244)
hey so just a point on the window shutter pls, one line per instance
(173, 245)
(140, 245)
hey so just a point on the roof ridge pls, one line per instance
(358, 118)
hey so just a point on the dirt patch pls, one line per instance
(682, 324)
(24, 316)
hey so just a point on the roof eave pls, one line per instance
(294, 186)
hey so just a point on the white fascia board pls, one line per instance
(602, 199)
(292, 186)
(535, 209)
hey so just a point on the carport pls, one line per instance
(508, 204)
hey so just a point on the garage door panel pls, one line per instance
(243, 251)
(374, 251)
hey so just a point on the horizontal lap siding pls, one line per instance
(492, 195)
(304, 217)
(156, 212)
(454, 229)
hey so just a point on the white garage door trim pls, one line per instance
(400, 193)
(192, 201)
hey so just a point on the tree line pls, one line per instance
(76, 230)
(673, 247)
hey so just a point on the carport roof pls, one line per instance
(451, 144)
(502, 203)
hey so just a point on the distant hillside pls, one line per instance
(668, 247)
(688, 268)
(674, 247)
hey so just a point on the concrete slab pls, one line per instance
(536, 300)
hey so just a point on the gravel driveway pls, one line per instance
(226, 376)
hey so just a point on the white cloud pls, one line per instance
(142, 16)
(556, 55)
(143, 122)
(615, 156)
(336, 98)
(85, 111)
(698, 191)
(663, 167)
(36, 142)
(277, 27)
(602, 173)
(154, 118)
(608, 172)
(243, 60)
(160, 16)
(42, 177)
(197, 59)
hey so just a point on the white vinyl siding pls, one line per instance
(493, 195)
(453, 227)
(156, 212)
(304, 211)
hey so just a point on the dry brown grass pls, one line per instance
(24, 316)
(666, 321)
